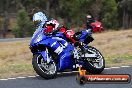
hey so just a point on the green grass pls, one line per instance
(13, 70)
(118, 60)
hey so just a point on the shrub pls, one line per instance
(24, 27)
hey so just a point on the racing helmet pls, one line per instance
(39, 17)
(89, 16)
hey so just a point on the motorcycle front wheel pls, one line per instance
(44, 69)
(94, 65)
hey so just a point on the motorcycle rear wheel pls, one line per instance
(92, 67)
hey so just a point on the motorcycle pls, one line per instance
(97, 26)
(53, 53)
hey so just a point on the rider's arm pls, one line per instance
(70, 38)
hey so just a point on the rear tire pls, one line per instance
(91, 68)
(41, 71)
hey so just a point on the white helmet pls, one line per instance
(39, 16)
(89, 16)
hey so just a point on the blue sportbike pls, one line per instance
(53, 53)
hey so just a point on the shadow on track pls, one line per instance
(59, 75)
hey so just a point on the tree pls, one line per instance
(24, 26)
(108, 14)
(125, 13)
(113, 13)
(4, 9)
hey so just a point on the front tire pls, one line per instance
(40, 67)
(91, 66)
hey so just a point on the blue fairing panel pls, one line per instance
(50, 43)
(66, 59)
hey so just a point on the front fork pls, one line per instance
(45, 55)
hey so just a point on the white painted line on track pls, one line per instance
(31, 76)
(57, 73)
(21, 77)
(11, 78)
(115, 67)
(125, 66)
(3, 79)
(107, 68)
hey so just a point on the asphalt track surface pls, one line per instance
(65, 81)
(13, 39)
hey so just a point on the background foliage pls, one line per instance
(24, 26)
(114, 14)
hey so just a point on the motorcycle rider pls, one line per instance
(90, 20)
(51, 26)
